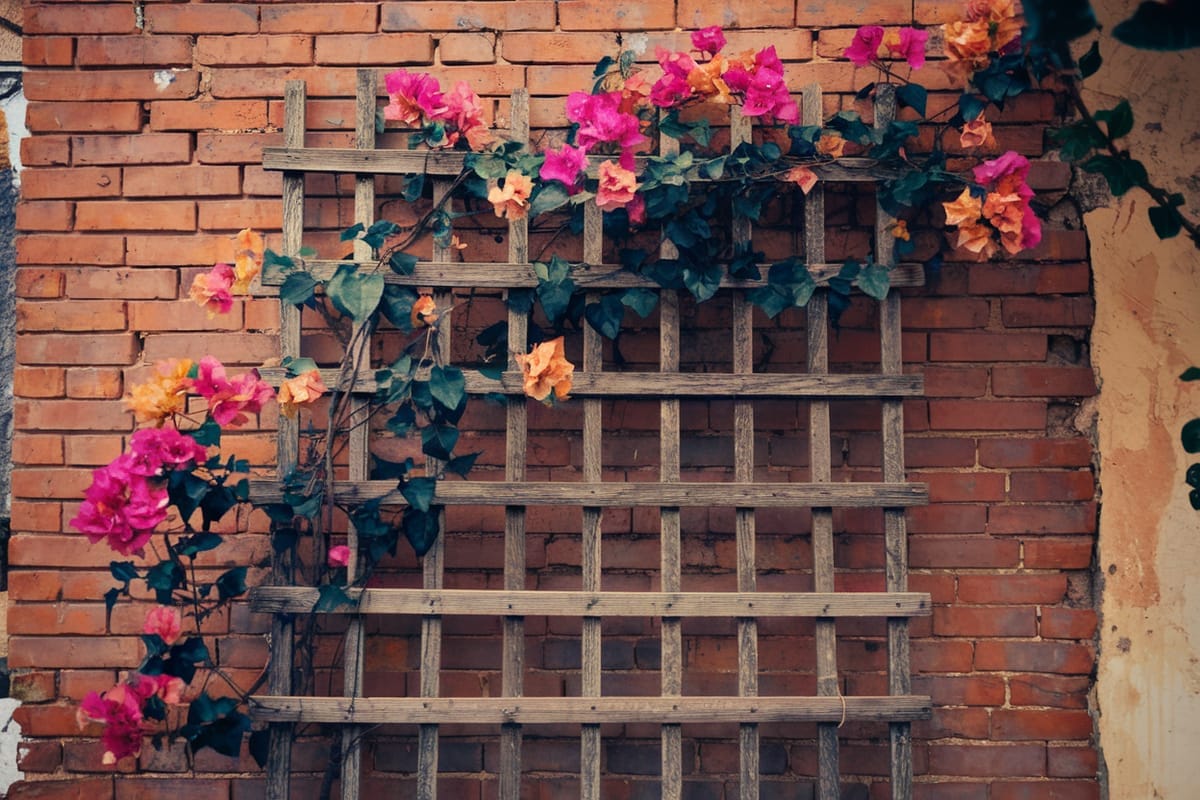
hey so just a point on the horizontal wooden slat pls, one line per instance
(621, 495)
(441, 162)
(470, 602)
(516, 276)
(592, 710)
(657, 384)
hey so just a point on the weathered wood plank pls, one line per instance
(552, 710)
(672, 603)
(685, 495)
(448, 274)
(650, 384)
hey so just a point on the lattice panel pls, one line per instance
(513, 712)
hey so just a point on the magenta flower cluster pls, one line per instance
(907, 44)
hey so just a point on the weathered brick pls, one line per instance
(75, 315)
(154, 51)
(196, 115)
(468, 16)
(143, 148)
(1042, 519)
(1053, 657)
(47, 51)
(257, 49)
(90, 249)
(100, 348)
(184, 181)
(73, 182)
(207, 18)
(1011, 381)
(374, 48)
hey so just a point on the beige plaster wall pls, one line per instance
(1147, 332)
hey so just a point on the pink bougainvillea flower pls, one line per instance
(413, 97)
(546, 371)
(120, 711)
(464, 112)
(230, 401)
(303, 389)
(248, 259)
(165, 622)
(1010, 163)
(121, 507)
(163, 395)
(213, 290)
(618, 186)
(803, 177)
(150, 449)
(564, 165)
(909, 44)
(167, 688)
(601, 120)
(636, 209)
(339, 556)
(767, 94)
(709, 40)
(512, 200)
(865, 46)
(976, 133)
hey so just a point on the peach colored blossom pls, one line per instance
(977, 239)
(965, 210)
(546, 370)
(164, 394)
(424, 311)
(301, 390)
(248, 259)
(512, 201)
(977, 133)
(900, 230)
(618, 186)
(164, 621)
(803, 177)
(832, 145)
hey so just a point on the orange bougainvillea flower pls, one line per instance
(900, 230)
(967, 46)
(424, 311)
(547, 371)
(248, 259)
(301, 390)
(512, 201)
(977, 133)
(163, 395)
(803, 177)
(832, 145)
(977, 239)
(965, 210)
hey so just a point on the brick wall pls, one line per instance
(147, 123)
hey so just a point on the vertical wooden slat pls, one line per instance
(743, 468)
(671, 658)
(821, 460)
(593, 361)
(895, 535)
(516, 443)
(358, 467)
(279, 753)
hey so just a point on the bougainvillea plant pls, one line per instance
(163, 498)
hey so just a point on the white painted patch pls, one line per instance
(637, 42)
(164, 78)
(10, 745)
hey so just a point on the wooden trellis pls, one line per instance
(512, 712)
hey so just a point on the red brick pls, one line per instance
(185, 181)
(149, 215)
(32, 687)
(558, 48)
(246, 348)
(939, 552)
(208, 18)
(1070, 553)
(1029, 279)
(35, 282)
(233, 215)
(73, 651)
(94, 383)
(181, 250)
(583, 15)
(374, 48)
(987, 347)
(74, 789)
(947, 519)
(941, 656)
(74, 315)
(49, 484)
(44, 215)
(966, 690)
(47, 51)
(955, 381)
(195, 115)
(1042, 519)
(467, 48)
(45, 151)
(100, 348)
(939, 452)
(150, 51)
(1046, 790)
(1052, 486)
(1057, 245)
(267, 82)
(144, 148)
(37, 449)
(319, 18)
(954, 487)
(986, 760)
(983, 621)
(182, 315)
(39, 756)
(1039, 312)
(138, 84)
(1043, 381)
(143, 284)
(88, 117)
(39, 382)
(1010, 588)
(523, 15)
(283, 49)
(73, 183)
(1053, 657)
(1072, 762)
(47, 249)
(85, 18)
(1018, 725)
(1011, 452)
(877, 12)
(958, 723)
(986, 415)
(92, 451)
(72, 618)
(697, 14)
(1068, 623)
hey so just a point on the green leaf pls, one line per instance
(377, 234)
(789, 285)
(260, 744)
(396, 305)
(298, 366)
(642, 301)
(1194, 498)
(155, 646)
(421, 529)
(714, 168)
(875, 280)
(1090, 61)
(437, 441)
(402, 263)
(603, 66)
(331, 597)
(702, 279)
(208, 434)
(1193, 476)
(552, 195)
(1189, 374)
(970, 106)
(201, 542)
(192, 650)
(461, 465)
(1161, 26)
(110, 598)
(555, 287)
(297, 288)
(352, 232)
(414, 186)
(419, 492)
(913, 95)
(125, 571)
(232, 583)
(354, 294)
(605, 316)
(1121, 173)
(448, 386)
(1191, 436)
(1167, 221)
(1118, 119)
